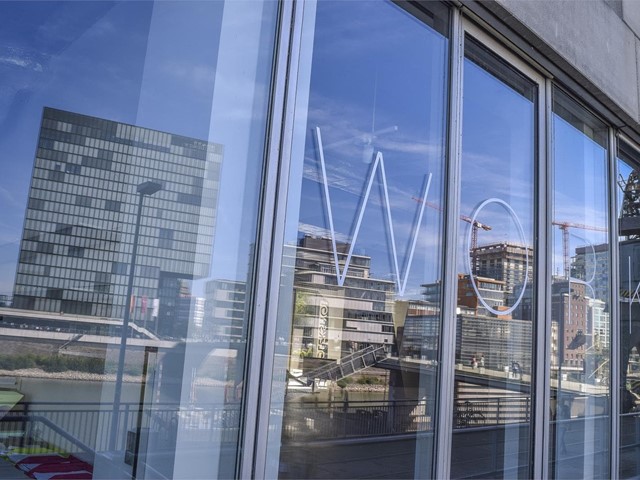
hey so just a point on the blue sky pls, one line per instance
(377, 83)
(497, 158)
(134, 62)
(580, 189)
(79, 57)
(384, 72)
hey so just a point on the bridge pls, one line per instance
(376, 356)
(346, 366)
(87, 330)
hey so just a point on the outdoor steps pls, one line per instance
(353, 363)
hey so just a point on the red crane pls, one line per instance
(475, 225)
(565, 226)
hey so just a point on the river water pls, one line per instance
(65, 391)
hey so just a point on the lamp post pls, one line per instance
(144, 189)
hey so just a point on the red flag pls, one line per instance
(144, 304)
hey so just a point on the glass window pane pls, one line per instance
(496, 301)
(114, 345)
(628, 203)
(580, 294)
(359, 319)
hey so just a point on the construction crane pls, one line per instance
(630, 211)
(475, 225)
(565, 226)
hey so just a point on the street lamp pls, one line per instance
(144, 189)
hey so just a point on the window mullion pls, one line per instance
(444, 419)
(261, 339)
(614, 321)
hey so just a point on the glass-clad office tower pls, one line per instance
(76, 249)
(320, 239)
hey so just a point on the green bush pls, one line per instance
(369, 380)
(52, 363)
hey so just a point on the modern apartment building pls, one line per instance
(506, 262)
(77, 242)
(224, 315)
(332, 321)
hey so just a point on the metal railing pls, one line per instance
(73, 427)
(491, 411)
(29, 426)
(330, 420)
(80, 426)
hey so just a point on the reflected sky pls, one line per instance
(151, 65)
(377, 85)
(580, 190)
(498, 153)
(46, 68)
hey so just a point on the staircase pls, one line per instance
(357, 361)
(73, 339)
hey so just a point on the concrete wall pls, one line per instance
(596, 42)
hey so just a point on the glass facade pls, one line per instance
(360, 303)
(496, 302)
(626, 207)
(133, 148)
(315, 239)
(580, 293)
(82, 199)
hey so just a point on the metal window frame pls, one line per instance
(543, 363)
(261, 337)
(481, 32)
(616, 328)
(269, 254)
(445, 389)
(614, 320)
(269, 247)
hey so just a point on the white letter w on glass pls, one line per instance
(377, 164)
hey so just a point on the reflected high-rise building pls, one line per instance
(590, 264)
(225, 304)
(78, 234)
(580, 325)
(419, 335)
(570, 310)
(507, 262)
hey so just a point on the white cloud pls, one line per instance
(15, 57)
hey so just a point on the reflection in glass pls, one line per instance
(495, 317)
(580, 319)
(359, 317)
(123, 327)
(628, 203)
